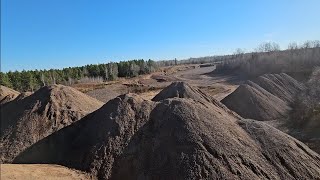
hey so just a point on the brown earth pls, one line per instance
(267, 98)
(28, 119)
(185, 139)
(250, 100)
(218, 86)
(39, 171)
(191, 137)
(108, 92)
(93, 143)
(7, 94)
(281, 85)
(185, 90)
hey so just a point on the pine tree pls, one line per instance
(5, 81)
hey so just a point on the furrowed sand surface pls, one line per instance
(39, 171)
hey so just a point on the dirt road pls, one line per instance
(219, 86)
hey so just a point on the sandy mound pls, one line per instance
(28, 119)
(185, 90)
(185, 139)
(179, 138)
(7, 94)
(250, 100)
(280, 85)
(181, 90)
(93, 143)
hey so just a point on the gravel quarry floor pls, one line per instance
(217, 85)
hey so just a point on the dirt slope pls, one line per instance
(281, 85)
(185, 139)
(250, 100)
(93, 143)
(40, 171)
(28, 119)
(180, 90)
(185, 90)
(7, 94)
(175, 138)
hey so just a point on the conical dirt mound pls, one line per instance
(175, 138)
(181, 90)
(250, 100)
(185, 139)
(280, 85)
(185, 90)
(96, 141)
(27, 119)
(7, 94)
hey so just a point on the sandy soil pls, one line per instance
(218, 86)
(191, 137)
(39, 171)
(149, 95)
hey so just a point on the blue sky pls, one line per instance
(43, 34)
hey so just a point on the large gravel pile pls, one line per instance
(280, 85)
(185, 90)
(250, 100)
(174, 138)
(29, 118)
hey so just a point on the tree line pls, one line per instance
(34, 79)
(297, 60)
(266, 58)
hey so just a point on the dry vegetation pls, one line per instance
(306, 110)
(296, 62)
(305, 115)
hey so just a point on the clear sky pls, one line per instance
(43, 34)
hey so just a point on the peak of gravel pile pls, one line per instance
(268, 97)
(281, 85)
(96, 141)
(185, 139)
(7, 94)
(175, 138)
(250, 100)
(185, 90)
(181, 90)
(31, 117)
